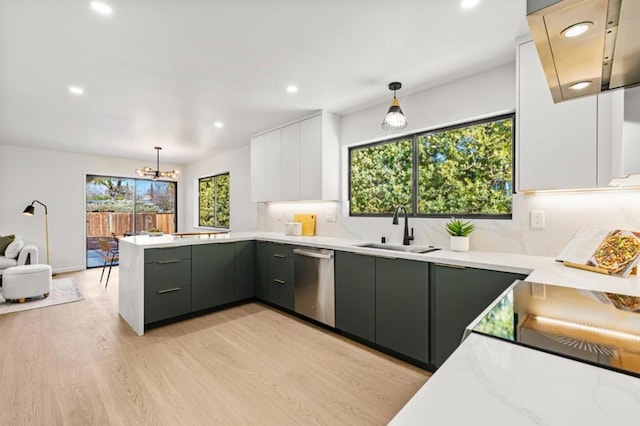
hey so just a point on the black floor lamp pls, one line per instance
(29, 210)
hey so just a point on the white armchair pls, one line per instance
(27, 254)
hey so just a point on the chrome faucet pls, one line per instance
(407, 237)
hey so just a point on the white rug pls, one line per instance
(63, 290)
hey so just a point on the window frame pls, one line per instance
(215, 201)
(413, 177)
(413, 209)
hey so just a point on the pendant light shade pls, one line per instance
(157, 173)
(395, 119)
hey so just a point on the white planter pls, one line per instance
(459, 243)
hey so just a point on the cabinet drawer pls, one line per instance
(281, 293)
(160, 276)
(167, 303)
(167, 254)
(280, 250)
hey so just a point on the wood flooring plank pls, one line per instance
(81, 364)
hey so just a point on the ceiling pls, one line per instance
(161, 72)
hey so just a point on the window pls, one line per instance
(463, 170)
(117, 206)
(213, 195)
(381, 177)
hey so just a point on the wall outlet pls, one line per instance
(538, 291)
(537, 219)
(332, 215)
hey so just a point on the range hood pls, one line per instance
(605, 56)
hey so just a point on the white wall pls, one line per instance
(484, 94)
(480, 95)
(58, 180)
(237, 163)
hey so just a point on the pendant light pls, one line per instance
(395, 119)
(157, 173)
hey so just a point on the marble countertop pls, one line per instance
(537, 268)
(488, 381)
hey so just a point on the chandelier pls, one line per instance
(157, 173)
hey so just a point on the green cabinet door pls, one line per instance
(245, 253)
(167, 303)
(281, 272)
(402, 307)
(458, 296)
(260, 271)
(212, 275)
(355, 294)
(167, 283)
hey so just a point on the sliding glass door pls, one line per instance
(155, 206)
(117, 207)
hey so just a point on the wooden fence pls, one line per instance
(103, 224)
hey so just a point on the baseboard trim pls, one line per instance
(68, 269)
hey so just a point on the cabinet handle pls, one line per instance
(164, 262)
(450, 266)
(280, 256)
(169, 290)
(279, 281)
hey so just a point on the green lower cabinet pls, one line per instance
(355, 294)
(212, 275)
(167, 303)
(281, 272)
(402, 307)
(260, 271)
(244, 257)
(167, 283)
(458, 296)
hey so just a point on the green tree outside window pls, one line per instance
(214, 204)
(466, 170)
(381, 177)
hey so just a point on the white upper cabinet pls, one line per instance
(311, 159)
(258, 168)
(274, 166)
(557, 143)
(301, 161)
(290, 162)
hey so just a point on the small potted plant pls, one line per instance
(155, 232)
(459, 231)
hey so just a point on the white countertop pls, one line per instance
(490, 382)
(538, 268)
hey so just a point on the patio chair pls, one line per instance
(109, 256)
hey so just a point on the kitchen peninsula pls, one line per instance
(485, 375)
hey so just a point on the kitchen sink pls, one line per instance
(405, 249)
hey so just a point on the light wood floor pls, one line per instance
(80, 363)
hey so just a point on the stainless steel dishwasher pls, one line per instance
(314, 284)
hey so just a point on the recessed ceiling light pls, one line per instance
(292, 89)
(577, 29)
(76, 90)
(468, 4)
(101, 8)
(218, 124)
(580, 85)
